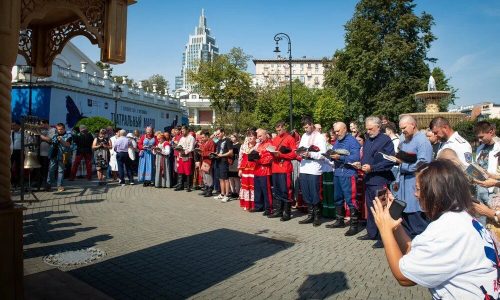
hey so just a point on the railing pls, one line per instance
(104, 85)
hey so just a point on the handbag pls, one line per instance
(205, 167)
(131, 153)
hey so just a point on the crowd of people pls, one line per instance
(346, 172)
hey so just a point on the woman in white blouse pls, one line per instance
(455, 257)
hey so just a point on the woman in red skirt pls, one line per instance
(246, 171)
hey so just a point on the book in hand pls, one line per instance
(301, 150)
(253, 156)
(213, 155)
(476, 172)
(331, 152)
(197, 150)
(285, 150)
(406, 157)
(271, 149)
(179, 148)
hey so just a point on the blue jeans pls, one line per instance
(310, 186)
(60, 172)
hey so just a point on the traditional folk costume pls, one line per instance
(262, 179)
(310, 175)
(163, 165)
(282, 170)
(185, 162)
(146, 158)
(247, 169)
(206, 166)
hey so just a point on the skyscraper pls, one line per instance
(200, 47)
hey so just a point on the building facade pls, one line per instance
(79, 89)
(200, 47)
(481, 111)
(276, 72)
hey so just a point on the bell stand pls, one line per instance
(24, 120)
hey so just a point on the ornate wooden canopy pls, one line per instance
(47, 25)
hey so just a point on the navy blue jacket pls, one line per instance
(380, 173)
(342, 168)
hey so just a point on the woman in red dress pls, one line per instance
(246, 171)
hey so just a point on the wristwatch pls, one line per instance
(497, 213)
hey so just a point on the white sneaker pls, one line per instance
(219, 197)
(225, 199)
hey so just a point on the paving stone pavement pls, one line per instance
(163, 244)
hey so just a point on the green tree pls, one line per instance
(95, 123)
(160, 81)
(224, 81)
(119, 79)
(273, 104)
(384, 60)
(328, 109)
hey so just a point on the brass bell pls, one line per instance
(31, 161)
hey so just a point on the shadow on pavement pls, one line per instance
(54, 249)
(180, 268)
(324, 285)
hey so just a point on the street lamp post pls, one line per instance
(277, 38)
(117, 92)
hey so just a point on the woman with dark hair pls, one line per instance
(455, 256)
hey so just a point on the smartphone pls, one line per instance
(397, 208)
(381, 194)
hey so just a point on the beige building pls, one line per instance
(481, 111)
(275, 72)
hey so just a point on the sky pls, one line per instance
(467, 46)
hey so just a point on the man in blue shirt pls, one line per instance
(344, 180)
(378, 171)
(412, 141)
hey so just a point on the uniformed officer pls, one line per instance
(451, 139)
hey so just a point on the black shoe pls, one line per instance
(316, 216)
(208, 193)
(188, 189)
(253, 210)
(339, 223)
(365, 237)
(378, 245)
(310, 217)
(266, 212)
(287, 213)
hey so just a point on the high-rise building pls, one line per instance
(200, 47)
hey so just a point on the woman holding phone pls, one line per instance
(455, 256)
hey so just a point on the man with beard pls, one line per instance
(451, 139)
(312, 145)
(262, 173)
(185, 159)
(284, 146)
(377, 169)
(344, 179)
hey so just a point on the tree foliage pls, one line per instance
(160, 81)
(94, 123)
(104, 66)
(273, 105)
(224, 81)
(384, 61)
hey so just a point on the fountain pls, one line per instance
(431, 98)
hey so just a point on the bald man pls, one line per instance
(344, 179)
(262, 175)
(412, 141)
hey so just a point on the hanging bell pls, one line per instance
(31, 161)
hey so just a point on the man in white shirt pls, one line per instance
(311, 169)
(451, 139)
